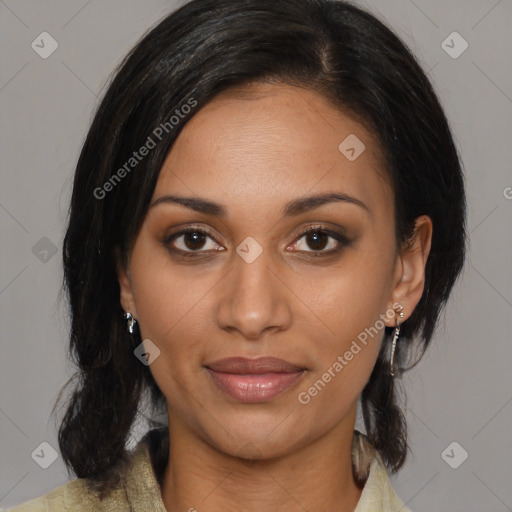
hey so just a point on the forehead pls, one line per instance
(262, 144)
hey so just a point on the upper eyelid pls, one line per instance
(189, 229)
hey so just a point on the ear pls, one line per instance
(127, 297)
(409, 276)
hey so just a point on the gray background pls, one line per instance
(461, 391)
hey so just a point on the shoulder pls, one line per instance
(54, 501)
(139, 486)
(75, 496)
(378, 494)
(51, 501)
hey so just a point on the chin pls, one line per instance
(257, 438)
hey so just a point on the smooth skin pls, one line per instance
(254, 149)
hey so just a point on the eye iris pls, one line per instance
(196, 238)
(317, 240)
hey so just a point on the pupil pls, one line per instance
(197, 240)
(317, 237)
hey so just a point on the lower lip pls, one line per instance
(252, 389)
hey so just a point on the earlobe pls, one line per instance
(410, 267)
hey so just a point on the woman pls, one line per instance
(268, 216)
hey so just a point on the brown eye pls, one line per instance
(194, 240)
(191, 242)
(319, 241)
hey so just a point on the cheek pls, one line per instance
(172, 311)
(344, 358)
(346, 355)
(352, 305)
(169, 302)
(354, 296)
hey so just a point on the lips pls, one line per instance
(244, 366)
(254, 380)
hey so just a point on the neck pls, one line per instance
(316, 476)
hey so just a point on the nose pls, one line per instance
(254, 300)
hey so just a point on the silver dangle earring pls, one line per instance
(396, 334)
(130, 322)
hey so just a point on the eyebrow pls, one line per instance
(293, 208)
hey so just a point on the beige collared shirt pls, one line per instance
(142, 492)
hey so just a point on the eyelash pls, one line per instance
(341, 239)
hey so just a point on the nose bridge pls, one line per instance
(251, 271)
(254, 299)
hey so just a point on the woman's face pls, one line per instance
(248, 283)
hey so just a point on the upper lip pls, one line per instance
(260, 365)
